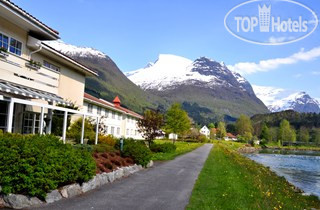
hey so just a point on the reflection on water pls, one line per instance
(303, 171)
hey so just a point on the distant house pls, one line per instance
(230, 137)
(205, 131)
(173, 136)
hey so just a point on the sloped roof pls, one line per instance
(27, 16)
(110, 105)
(231, 135)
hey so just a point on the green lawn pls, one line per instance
(182, 148)
(229, 180)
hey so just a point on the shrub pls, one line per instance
(109, 139)
(75, 131)
(164, 148)
(138, 151)
(202, 139)
(34, 165)
(103, 148)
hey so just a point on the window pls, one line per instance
(128, 132)
(4, 41)
(106, 129)
(135, 132)
(90, 107)
(123, 117)
(119, 117)
(31, 123)
(15, 46)
(112, 130)
(131, 132)
(118, 131)
(98, 110)
(113, 115)
(51, 66)
(106, 113)
(3, 115)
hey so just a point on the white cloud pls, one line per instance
(271, 64)
(315, 73)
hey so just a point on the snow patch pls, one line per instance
(72, 50)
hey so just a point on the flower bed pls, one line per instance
(110, 161)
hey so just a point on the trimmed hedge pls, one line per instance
(164, 148)
(34, 165)
(137, 150)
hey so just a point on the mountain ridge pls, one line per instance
(278, 99)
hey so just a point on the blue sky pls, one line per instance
(134, 33)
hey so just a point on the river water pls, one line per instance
(301, 169)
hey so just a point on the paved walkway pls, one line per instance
(166, 186)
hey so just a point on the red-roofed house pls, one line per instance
(118, 121)
(230, 137)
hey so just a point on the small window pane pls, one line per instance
(15, 46)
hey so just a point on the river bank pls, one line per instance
(229, 176)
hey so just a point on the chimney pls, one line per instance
(116, 101)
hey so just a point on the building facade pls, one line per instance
(205, 131)
(34, 78)
(115, 119)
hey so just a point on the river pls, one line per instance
(300, 168)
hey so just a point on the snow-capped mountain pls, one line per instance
(277, 99)
(75, 51)
(202, 84)
(170, 71)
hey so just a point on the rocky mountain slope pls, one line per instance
(111, 81)
(202, 83)
(277, 100)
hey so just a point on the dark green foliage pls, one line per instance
(296, 119)
(138, 151)
(35, 165)
(75, 131)
(164, 148)
(150, 125)
(103, 148)
(265, 133)
(231, 128)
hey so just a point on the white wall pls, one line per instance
(117, 123)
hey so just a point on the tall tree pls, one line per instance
(316, 138)
(211, 125)
(150, 125)
(177, 120)
(304, 135)
(286, 133)
(273, 134)
(243, 125)
(265, 133)
(221, 130)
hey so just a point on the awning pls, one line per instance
(30, 93)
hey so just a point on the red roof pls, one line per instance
(116, 100)
(231, 135)
(111, 105)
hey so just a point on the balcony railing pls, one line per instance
(18, 70)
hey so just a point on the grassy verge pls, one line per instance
(182, 148)
(229, 180)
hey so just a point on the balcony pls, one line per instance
(21, 71)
